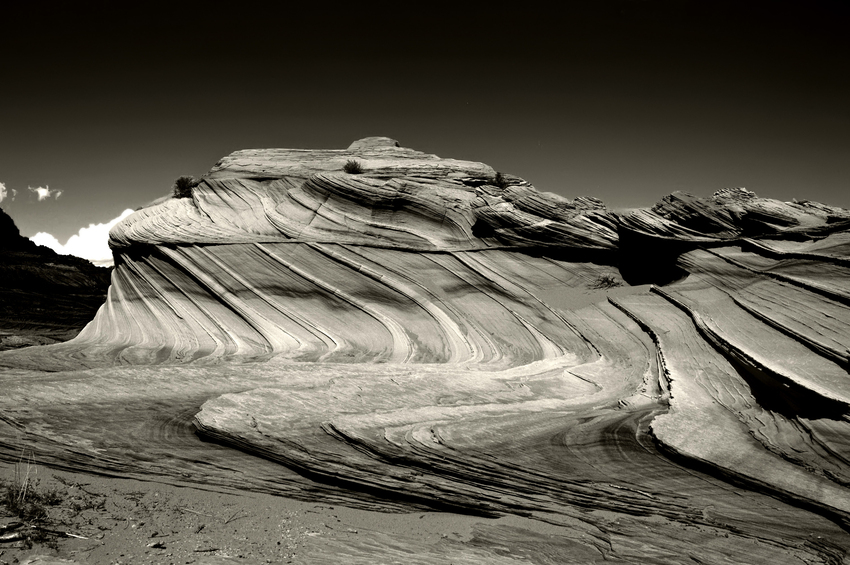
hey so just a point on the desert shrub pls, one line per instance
(183, 186)
(23, 498)
(501, 181)
(605, 281)
(27, 501)
(352, 167)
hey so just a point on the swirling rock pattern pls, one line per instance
(663, 385)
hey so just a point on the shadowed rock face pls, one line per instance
(425, 335)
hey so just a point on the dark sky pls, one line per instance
(626, 100)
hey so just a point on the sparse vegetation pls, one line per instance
(501, 181)
(183, 186)
(352, 167)
(23, 499)
(605, 281)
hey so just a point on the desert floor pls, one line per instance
(114, 520)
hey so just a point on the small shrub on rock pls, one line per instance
(183, 186)
(605, 281)
(352, 167)
(501, 181)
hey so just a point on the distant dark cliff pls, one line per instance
(44, 297)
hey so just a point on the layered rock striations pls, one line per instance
(663, 385)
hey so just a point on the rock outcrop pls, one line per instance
(662, 385)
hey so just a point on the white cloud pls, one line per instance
(4, 192)
(47, 240)
(90, 243)
(44, 192)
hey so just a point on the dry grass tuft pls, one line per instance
(23, 499)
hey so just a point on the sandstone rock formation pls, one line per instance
(663, 385)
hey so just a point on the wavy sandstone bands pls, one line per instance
(424, 336)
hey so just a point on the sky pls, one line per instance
(103, 104)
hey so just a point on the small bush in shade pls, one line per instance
(501, 181)
(352, 167)
(183, 186)
(605, 281)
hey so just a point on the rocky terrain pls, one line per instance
(659, 385)
(44, 297)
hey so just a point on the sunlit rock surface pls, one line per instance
(662, 385)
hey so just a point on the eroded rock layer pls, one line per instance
(663, 385)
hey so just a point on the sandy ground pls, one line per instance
(124, 521)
